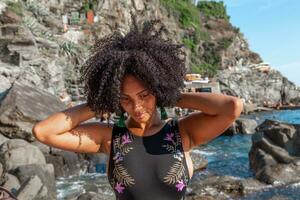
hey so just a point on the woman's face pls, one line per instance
(136, 99)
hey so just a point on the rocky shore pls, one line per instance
(39, 72)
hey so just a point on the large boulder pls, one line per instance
(8, 16)
(18, 112)
(33, 189)
(275, 152)
(18, 152)
(10, 182)
(241, 126)
(46, 182)
(246, 126)
(25, 171)
(221, 187)
(3, 139)
(67, 163)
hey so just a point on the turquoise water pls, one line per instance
(290, 116)
(227, 153)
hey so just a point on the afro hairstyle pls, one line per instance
(143, 53)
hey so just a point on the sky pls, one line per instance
(272, 29)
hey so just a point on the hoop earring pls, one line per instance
(121, 122)
(163, 113)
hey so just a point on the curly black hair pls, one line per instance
(158, 63)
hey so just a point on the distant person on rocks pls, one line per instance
(139, 74)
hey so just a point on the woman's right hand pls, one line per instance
(64, 131)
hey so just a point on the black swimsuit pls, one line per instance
(150, 167)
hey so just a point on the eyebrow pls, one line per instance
(136, 93)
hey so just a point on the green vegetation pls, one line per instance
(189, 44)
(188, 16)
(205, 69)
(16, 7)
(37, 9)
(225, 43)
(210, 60)
(89, 5)
(211, 57)
(68, 48)
(188, 13)
(197, 70)
(213, 9)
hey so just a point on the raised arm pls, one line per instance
(217, 113)
(63, 130)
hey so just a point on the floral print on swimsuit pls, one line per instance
(176, 174)
(121, 148)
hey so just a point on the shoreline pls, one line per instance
(252, 108)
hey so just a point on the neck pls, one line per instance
(142, 128)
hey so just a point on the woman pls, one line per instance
(148, 155)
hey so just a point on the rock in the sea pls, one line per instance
(199, 161)
(241, 126)
(24, 106)
(275, 152)
(251, 185)
(222, 187)
(215, 187)
(246, 126)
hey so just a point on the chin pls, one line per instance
(143, 120)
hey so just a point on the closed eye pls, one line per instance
(142, 96)
(145, 95)
(124, 99)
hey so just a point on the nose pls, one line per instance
(137, 106)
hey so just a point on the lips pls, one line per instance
(140, 115)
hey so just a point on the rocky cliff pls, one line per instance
(35, 50)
